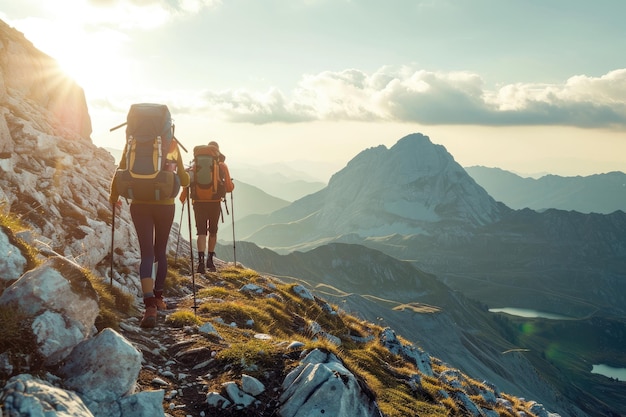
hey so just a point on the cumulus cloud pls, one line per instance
(431, 98)
(259, 108)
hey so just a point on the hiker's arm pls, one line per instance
(229, 186)
(182, 173)
(122, 164)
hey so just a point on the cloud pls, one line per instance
(433, 98)
(258, 108)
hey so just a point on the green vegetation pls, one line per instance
(183, 318)
(12, 225)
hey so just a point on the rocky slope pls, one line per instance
(53, 177)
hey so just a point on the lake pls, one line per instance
(525, 312)
(617, 373)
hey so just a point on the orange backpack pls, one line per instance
(207, 182)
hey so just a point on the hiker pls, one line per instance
(207, 200)
(153, 220)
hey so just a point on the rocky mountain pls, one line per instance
(53, 177)
(415, 187)
(600, 193)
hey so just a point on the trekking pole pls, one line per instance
(180, 224)
(232, 217)
(112, 239)
(193, 274)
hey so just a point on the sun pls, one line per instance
(93, 57)
(94, 61)
(100, 75)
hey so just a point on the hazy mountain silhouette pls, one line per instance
(600, 193)
(279, 179)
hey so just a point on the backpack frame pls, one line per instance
(148, 176)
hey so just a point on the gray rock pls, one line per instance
(63, 302)
(103, 368)
(12, 263)
(25, 395)
(251, 385)
(322, 385)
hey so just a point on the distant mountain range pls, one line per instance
(278, 179)
(600, 193)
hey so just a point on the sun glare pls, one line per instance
(90, 55)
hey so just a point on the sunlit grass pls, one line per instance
(12, 226)
(183, 318)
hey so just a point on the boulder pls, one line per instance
(103, 368)
(63, 302)
(12, 263)
(321, 385)
(25, 395)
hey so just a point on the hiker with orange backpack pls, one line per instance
(150, 174)
(210, 181)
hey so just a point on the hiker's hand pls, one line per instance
(116, 205)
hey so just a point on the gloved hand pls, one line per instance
(116, 204)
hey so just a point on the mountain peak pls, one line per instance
(414, 181)
(411, 188)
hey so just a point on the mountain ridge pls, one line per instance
(598, 193)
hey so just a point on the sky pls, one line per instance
(529, 86)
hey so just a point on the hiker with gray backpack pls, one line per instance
(210, 181)
(150, 174)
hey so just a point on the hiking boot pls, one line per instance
(209, 264)
(158, 300)
(201, 269)
(149, 317)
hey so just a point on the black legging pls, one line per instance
(152, 224)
